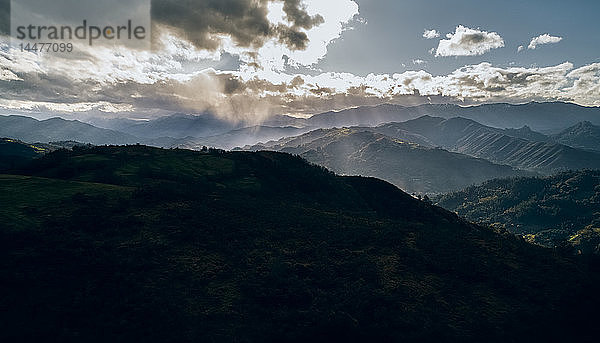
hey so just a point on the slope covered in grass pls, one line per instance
(143, 244)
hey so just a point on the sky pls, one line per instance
(246, 60)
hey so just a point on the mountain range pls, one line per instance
(550, 118)
(506, 147)
(545, 117)
(413, 167)
(583, 135)
(412, 154)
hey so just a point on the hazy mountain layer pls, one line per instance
(412, 167)
(56, 129)
(499, 146)
(584, 135)
(538, 116)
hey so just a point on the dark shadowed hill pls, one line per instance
(178, 126)
(551, 211)
(14, 153)
(499, 146)
(142, 244)
(409, 166)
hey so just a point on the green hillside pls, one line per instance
(550, 211)
(127, 244)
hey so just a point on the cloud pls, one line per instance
(265, 33)
(431, 34)
(520, 48)
(543, 39)
(469, 42)
(182, 72)
(184, 75)
(144, 82)
(205, 23)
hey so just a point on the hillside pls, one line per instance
(409, 166)
(551, 211)
(584, 135)
(135, 243)
(14, 153)
(469, 137)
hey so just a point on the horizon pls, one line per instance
(42, 116)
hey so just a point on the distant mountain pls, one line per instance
(411, 167)
(122, 244)
(468, 137)
(364, 116)
(184, 126)
(178, 126)
(584, 135)
(168, 132)
(527, 133)
(248, 136)
(537, 116)
(552, 211)
(57, 129)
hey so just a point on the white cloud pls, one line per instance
(586, 84)
(520, 48)
(469, 42)
(418, 61)
(336, 14)
(431, 34)
(543, 39)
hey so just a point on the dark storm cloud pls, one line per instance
(199, 21)
(297, 15)
(4, 17)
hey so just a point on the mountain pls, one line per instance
(57, 129)
(584, 135)
(409, 166)
(249, 136)
(171, 131)
(538, 116)
(137, 243)
(204, 125)
(550, 211)
(364, 116)
(527, 133)
(178, 126)
(468, 137)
